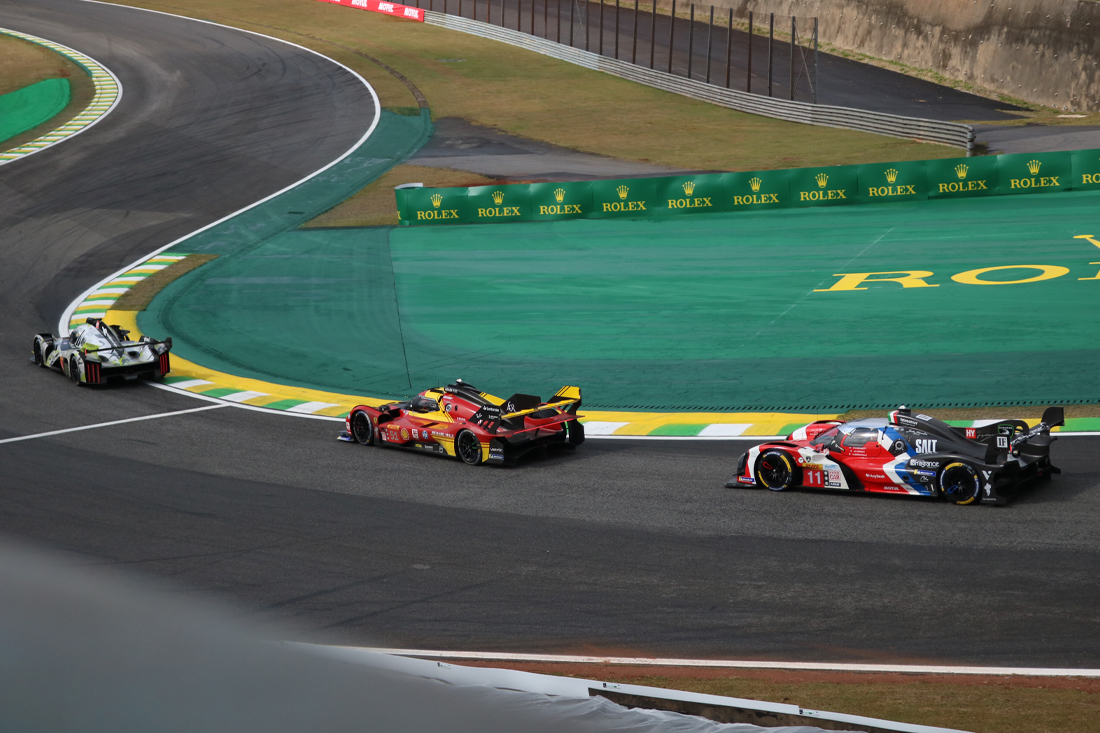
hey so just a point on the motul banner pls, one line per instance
(378, 6)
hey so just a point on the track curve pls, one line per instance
(623, 546)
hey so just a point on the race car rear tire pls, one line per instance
(74, 371)
(38, 354)
(362, 429)
(775, 471)
(468, 448)
(959, 483)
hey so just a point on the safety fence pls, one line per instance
(750, 191)
(689, 85)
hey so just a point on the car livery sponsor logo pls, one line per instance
(923, 472)
(833, 478)
(746, 480)
(810, 466)
(404, 434)
(416, 434)
(971, 433)
(1002, 441)
(925, 445)
(875, 476)
(924, 464)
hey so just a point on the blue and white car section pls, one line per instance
(906, 454)
(94, 352)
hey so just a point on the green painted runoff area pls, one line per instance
(32, 105)
(754, 311)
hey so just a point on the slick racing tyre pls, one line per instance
(468, 448)
(74, 371)
(775, 471)
(959, 483)
(361, 429)
(38, 354)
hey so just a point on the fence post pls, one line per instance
(815, 60)
(557, 23)
(431, 5)
(691, 38)
(584, 20)
(729, 46)
(601, 27)
(502, 13)
(616, 30)
(571, 4)
(532, 17)
(794, 40)
(652, 33)
(748, 75)
(671, 31)
(710, 35)
(634, 44)
(459, 8)
(771, 42)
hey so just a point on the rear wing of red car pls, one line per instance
(562, 407)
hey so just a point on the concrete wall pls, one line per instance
(1044, 51)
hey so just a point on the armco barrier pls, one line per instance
(824, 186)
(910, 128)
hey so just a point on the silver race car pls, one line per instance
(94, 352)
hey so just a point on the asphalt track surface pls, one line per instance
(621, 547)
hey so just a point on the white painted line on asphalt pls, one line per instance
(242, 396)
(189, 383)
(113, 422)
(311, 407)
(739, 664)
(724, 430)
(598, 427)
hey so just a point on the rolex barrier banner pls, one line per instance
(1034, 172)
(434, 205)
(953, 177)
(551, 201)
(1086, 169)
(640, 198)
(882, 182)
(633, 198)
(757, 190)
(498, 203)
(691, 194)
(832, 186)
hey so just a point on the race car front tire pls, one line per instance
(959, 483)
(38, 361)
(775, 471)
(362, 429)
(468, 448)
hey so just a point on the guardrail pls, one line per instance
(910, 128)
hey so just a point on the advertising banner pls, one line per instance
(434, 205)
(498, 203)
(552, 201)
(884, 182)
(700, 194)
(377, 6)
(1085, 165)
(954, 177)
(757, 190)
(1034, 172)
(632, 198)
(831, 186)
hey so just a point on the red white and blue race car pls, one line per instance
(476, 427)
(908, 454)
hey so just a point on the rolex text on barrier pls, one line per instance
(879, 182)
(833, 186)
(434, 205)
(1034, 172)
(691, 194)
(498, 203)
(757, 190)
(552, 201)
(378, 6)
(640, 198)
(1085, 167)
(953, 177)
(633, 198)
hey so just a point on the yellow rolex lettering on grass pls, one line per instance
(906, 278)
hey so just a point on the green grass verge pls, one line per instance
(527, 94)
(23, 63)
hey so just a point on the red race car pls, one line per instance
(907, 453)
(458, 420)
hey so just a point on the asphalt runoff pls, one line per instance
(621, 546)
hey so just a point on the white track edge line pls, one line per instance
(63, 324)
(254, 408)
(90, 125)
(113, 422)
(744, 664)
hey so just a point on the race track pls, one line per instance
(623, 546)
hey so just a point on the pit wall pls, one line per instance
(1042, 51)
(718, 192)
